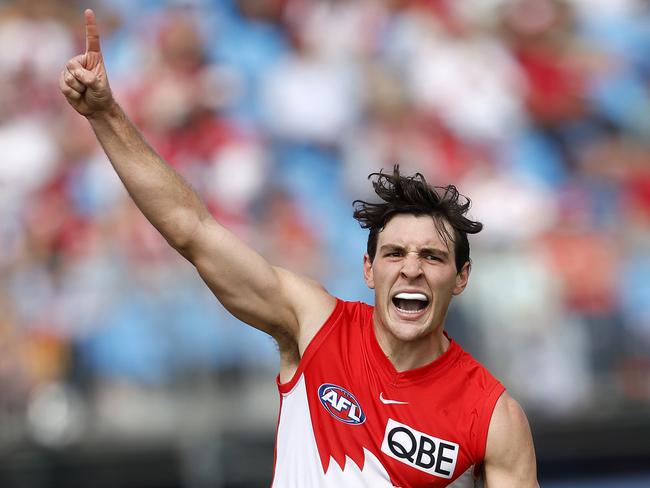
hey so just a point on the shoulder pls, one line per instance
(486, 387)
(311, 302)
(508, 421)
(316, 325)
(510, 454)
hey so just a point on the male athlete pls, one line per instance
(376, 397)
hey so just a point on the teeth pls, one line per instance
(412, 296)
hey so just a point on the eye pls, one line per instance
(431, 257)
(394, 254)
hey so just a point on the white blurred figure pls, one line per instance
(460, 73)
(33, 39)
(604, 9)
(310, 95)
(531, 209)
(29, 155)
(56, 415)
(32, 42)
(233, 179)
(341, 29)
(311, 100)
(515, 305)
(516, 299)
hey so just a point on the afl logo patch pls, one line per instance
(341, 404)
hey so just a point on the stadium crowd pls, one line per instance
(276, 111)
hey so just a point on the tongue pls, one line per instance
(409, 305)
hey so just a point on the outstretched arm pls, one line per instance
(510, 455)
(276, 301)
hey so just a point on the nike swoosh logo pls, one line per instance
(386, 401)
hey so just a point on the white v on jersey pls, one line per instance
(349, 419)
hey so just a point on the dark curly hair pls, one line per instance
(413, 195)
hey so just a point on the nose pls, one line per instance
(411, 267)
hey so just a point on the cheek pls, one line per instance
(382, 280)
(443, 283)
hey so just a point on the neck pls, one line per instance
(407, 355)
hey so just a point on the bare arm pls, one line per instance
(269, 298)
(510, 455)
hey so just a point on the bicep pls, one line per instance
(510, 455)
(269, 298)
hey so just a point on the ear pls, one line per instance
(368, 274)
(461, 279)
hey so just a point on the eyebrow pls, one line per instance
(426, 250)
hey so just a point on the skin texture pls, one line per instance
(510, 455)
(288, 307)
(411, 257)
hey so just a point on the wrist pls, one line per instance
(111, 111)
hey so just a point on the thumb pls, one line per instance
(92, 32)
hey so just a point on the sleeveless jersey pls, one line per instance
(349, 419)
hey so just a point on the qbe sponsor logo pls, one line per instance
(341, 404)
(419, 450)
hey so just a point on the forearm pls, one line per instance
(163, 196)
(248, 286)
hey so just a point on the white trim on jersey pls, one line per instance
(298, 463)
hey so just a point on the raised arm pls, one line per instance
(510, 455)
(278, 302)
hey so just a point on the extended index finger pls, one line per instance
(92, 32)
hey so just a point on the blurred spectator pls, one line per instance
(458, 72)
(276, 112)
(308, 98)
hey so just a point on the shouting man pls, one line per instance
(370, 396)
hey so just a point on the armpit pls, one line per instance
(468, 480)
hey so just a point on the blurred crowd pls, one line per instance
(276, 111)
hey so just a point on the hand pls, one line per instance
(84, 81)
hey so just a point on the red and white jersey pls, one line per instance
(349, 419)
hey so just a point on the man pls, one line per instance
(369, 396)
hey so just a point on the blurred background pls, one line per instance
(117, 366)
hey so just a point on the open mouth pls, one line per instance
(410, 302)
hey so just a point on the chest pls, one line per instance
(419, 431)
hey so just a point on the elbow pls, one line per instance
(184, 248)
(181, 234)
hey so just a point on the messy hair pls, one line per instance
(400, 194)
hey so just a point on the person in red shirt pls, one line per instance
(346, 369)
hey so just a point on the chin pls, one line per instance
(408, 330)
